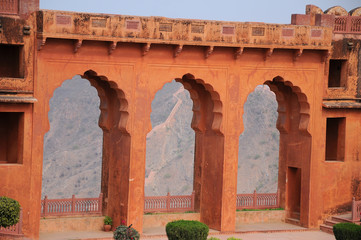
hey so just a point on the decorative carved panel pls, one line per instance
(197, 28)
(165, 27)
(258, 31)
(9, 6)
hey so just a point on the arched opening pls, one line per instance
(170, 143)
(294, 147)
(208, 147)
(113, 147)
(259, 144)
(73, 145)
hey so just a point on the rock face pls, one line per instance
(73, 145)
(170, 144)
(259, 143)
(72, 151)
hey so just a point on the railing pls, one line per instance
(71, 206)
(347, 24)
(356, 210)
(169, 203)
(258, 200)
(186, 203)
(15, 230)
(93, 206)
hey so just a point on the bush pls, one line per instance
(347, 231)
(233, 238)
(108, 220)
(185, 230)
(213, 238)
(125, 233)
(9, 212)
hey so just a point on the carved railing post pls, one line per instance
(73, 203)
(348, 24)
(45, 207)
(254, 199)
(168, 202)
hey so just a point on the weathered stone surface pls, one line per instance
(128, 59)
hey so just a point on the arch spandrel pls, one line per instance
(102, 85)
(122, 103)
(197, 89)
(276, 85)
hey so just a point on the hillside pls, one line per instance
(72, 151)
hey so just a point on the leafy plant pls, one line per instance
(108, 220)
(233, 238)
(347, 231)
(123, 232)
(213, 238)
(9, 212)
(185, 230)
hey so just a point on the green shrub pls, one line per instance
(9, 212)
(213, 238)
(185, 230)
(233, 238)
(125, 233)
(347, 231)
(108, 220)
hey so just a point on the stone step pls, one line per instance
(330, 222)
(293, 221)
(340, 219)
(295, 215)
(326, 228)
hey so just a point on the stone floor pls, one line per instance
(263, 231)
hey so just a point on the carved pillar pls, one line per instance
(105, 172)
(212, 180)
(197, 179)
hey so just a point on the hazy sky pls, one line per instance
(270, 11)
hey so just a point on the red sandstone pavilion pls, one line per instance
(312, 65)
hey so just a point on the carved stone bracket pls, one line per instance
(209, 51)
(41, 42)
(77, 45)
(326, 55)
(178, 50)
(112, 47)
(238, 52)
(297, 54)
(269, 53)
(145, 49)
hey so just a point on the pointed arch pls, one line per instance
(113, 120)
(104, 88)
(198, 90)
(295, 147)
(279, 86)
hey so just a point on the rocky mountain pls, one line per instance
(73, 145)
(72, 149)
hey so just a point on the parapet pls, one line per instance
(337, 17)
(160, 30)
